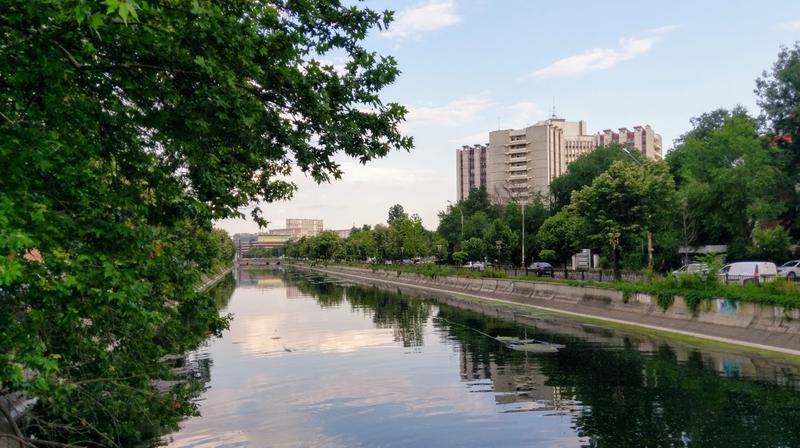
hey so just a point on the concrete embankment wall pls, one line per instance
(755, 325)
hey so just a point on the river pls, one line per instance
(312, 361)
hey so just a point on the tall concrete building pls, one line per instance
(519, 164)
(642, 138)
(470, 168)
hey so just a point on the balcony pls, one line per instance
(517, 168)
(522, 150)
(518, 176)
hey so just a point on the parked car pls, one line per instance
(748, 271)
(540, 268)
(790, 270)
(477, 265)
(699, 269)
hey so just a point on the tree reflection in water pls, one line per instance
(617, 396)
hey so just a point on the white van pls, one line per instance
(748, 271)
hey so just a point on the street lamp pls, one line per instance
(462, 218)
(628, 152)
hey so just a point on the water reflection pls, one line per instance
(313, 361)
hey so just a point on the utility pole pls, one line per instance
(524, 266)
(462, 218)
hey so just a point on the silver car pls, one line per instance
(700, 269)
(790, 270)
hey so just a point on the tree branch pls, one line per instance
(27, 441)
(69, 55)
(10, 418)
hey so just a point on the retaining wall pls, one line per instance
(752, 324)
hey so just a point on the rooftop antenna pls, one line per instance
(554, 108)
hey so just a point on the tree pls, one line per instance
(772, 244)
(727, 178)
(414, 238)
(625, 202)
(327, 245)
(584, 170)
(535, 214)
(562, 234)
(475, 248)
(258, 252)
(500, 241)
(396, 214)
(126, 128)
(475, 225)
(779, 98)
(362, 244)
(439, 247)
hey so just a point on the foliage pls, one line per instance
(562, 234)
(500, 241)
(548, 255)
(492, 223)
(475, 248)
(258, 252)
(728, 178)
(623, 203)
(772, 244)
(459, 257)
(435, 271)
(779, 98)
(396, 214)
(126, 128)
(583, 170)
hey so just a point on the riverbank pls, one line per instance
(759, 327)
(207, 282)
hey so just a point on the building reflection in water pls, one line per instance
(524, 385)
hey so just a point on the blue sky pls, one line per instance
(469, 64)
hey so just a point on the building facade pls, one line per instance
(470, 168)
(519, 164)
(297, 228)
(642, 139)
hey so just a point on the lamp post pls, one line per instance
(524, 267)
(462, 218)
(649, 233)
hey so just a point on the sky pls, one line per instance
(472, 66)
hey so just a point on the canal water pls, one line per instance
(311, 361)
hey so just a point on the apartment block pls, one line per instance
(470, 168)
(642, 139)
(519, 164)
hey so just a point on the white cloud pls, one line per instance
(793, 25)
(603, 58)
(454, 113)
(524, 114)
(664, 29)
(422, 18)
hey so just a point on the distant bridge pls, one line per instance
(273, 261)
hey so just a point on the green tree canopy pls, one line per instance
(584, 170)
(562, 234)
(624, 202)
(126, 128)
(779, 98)
(475, 248)
(728, 178)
